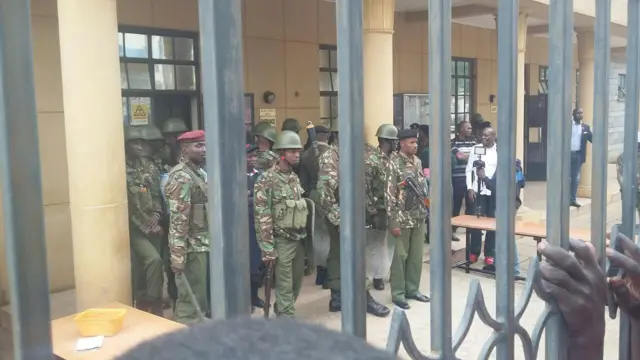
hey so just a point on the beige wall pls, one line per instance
(281, 39)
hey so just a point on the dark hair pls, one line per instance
(246, 338)
(575, 111)
(424, 129)
(459, 125)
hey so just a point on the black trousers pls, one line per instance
(460, 196)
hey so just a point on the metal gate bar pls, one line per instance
(351, 127)
(558, 158)
(439, 33)
(630, 146)
(223, 94)
(506, 206)
(23, 212)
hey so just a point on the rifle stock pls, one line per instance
(417, 191)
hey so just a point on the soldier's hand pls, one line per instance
(178, 268)
(157, 230)
(270, 256)
(396, 232)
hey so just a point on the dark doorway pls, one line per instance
(173, 105)
(535, 137)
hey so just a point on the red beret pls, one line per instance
(192, 136)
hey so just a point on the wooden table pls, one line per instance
(537, 231)
(138, 327)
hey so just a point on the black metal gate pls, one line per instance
(221, 44)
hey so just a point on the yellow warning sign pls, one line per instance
(140, 110)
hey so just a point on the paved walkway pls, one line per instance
(419, 314)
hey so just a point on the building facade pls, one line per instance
(290, 71)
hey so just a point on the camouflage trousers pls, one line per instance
(333, 260)
(406, 267)
(289, 272)
(195, 270)
(146, 266)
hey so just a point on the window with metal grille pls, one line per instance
(462, 89)
(622, 91)
(543, 79)
(328, 65)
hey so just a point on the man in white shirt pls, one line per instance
(483, 197)
(580, 134)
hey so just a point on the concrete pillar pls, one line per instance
(585, 91)
(378, 65)
(522, 49)
(95, 151)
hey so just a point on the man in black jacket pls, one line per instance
(491, 184)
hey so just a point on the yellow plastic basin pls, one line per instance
(96, 322)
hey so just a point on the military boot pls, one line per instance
(375, 308)
(335, 303)
(255, 299)
(321, 275)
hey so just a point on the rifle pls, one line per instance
(192, 297)
(268, 283)
(416, 190)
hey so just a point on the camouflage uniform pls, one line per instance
(280, 219)
(266, 159)
(375, 164)
(406, 266)
(328, 183)
(619, 168)
(309, 180)
(189, 237)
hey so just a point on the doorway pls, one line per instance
(535, 137)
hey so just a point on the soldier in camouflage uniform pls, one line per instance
(145, 215)
(189, 237)
(619, 168)
(265, 140)
(376, 159)
(170, 153)
(281, 222)
(330, 206)
(407, 216)
(308, 173)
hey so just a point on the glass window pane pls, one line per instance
(467, 86)
(325, 106)
(324, 58)
(460, 68)
(165, 77)
(466, 68)
(333, 57)
(453, 85)
(334, 107)
(124, 84)
(120, 44)
(328, 81)
(184, 49)
(460, 104)
(186, 77)
(453, 67)
(467, 104)
(139, 77)
(136, 46)
(162, 47)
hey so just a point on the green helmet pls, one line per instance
(133, 133)
(334, 125)
(288, 140)
(291, 124)
(268, 133)
(174, 125)
(151, 132)
(387, 131)
(260, 127)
